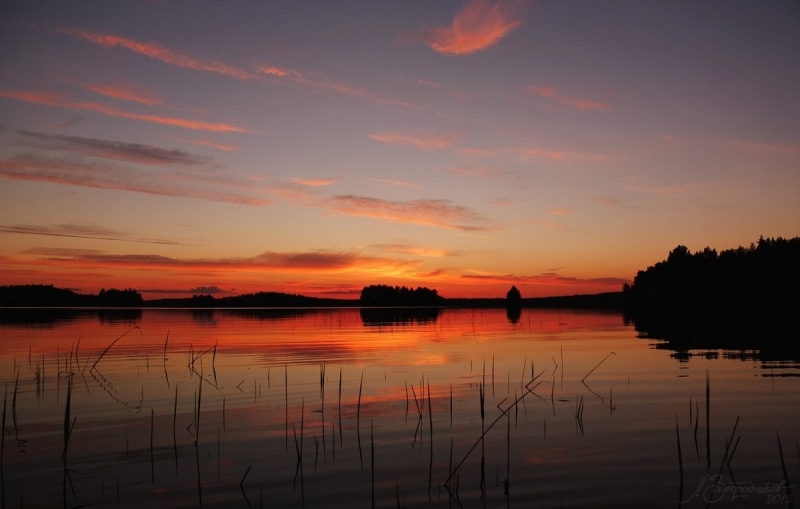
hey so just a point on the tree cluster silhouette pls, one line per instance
(385, 295)
(763, 277)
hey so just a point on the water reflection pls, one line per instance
(513, 313)
(748, 336)
(218, 407)
(399, 316)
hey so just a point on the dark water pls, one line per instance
(240, 448)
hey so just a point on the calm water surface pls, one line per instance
(216, 408)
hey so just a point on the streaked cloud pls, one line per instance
(226, 147)
(75, 120)
(547, 278)
(607, 200)
(407, 249)
(568, 156)
(437, 213)
(761, 147)
(562, 98)
(447, 89)
(397, 183)
(320, 82)
(478, 171)
(78, 231)
(480, 25)
(62, 251)
(474, 152)
(671, 189)
(117, 90)
(61, 101)
(313, 182)
(107, 176)
(108, 149)
(429, 142)
(200, 290)
(316, 261)
(561, 212)
(157, 52)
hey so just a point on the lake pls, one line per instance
(362, 408)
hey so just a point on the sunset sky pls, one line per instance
(318, 147)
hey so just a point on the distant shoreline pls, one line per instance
(603, 301)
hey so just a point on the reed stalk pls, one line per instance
(152, 459)
(785, 474)
(112, 344)
(680, 454)
(286, 403)
(708, 421)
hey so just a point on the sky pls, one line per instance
(316, 147)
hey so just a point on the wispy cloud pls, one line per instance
(180, 59)
(474, 152)
(607, 200)
(200, 290)
(61, 101)
(561, 212)
(78, 231)
(319, 82)
(568, 156)
(406, 249)
(121, 91)
(397, 183)
(430, 142)
(319, 261)
(226, 147)
(562, 98)
(480, 25)
(157, 52)
(766, 148)
(313, 182)
(670, 190)
(108, 149)
(75, 120)
(478, 171)
(547, 279)
(106, 176)
(447, 89)
(438, 213)
(61, 251)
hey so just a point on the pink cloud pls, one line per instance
(480, 25)
(478, 171)
(434, 142)
(575, 102)
(226, 147)
(406, 249)
(121, 91)
(61, 101)
(102, 176)
(157, 52)
(437, 213)
(568, 156)
(317, 262)
(605, 199)
(397, 183)
(313, 182)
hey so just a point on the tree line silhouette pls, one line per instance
(50, 296)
